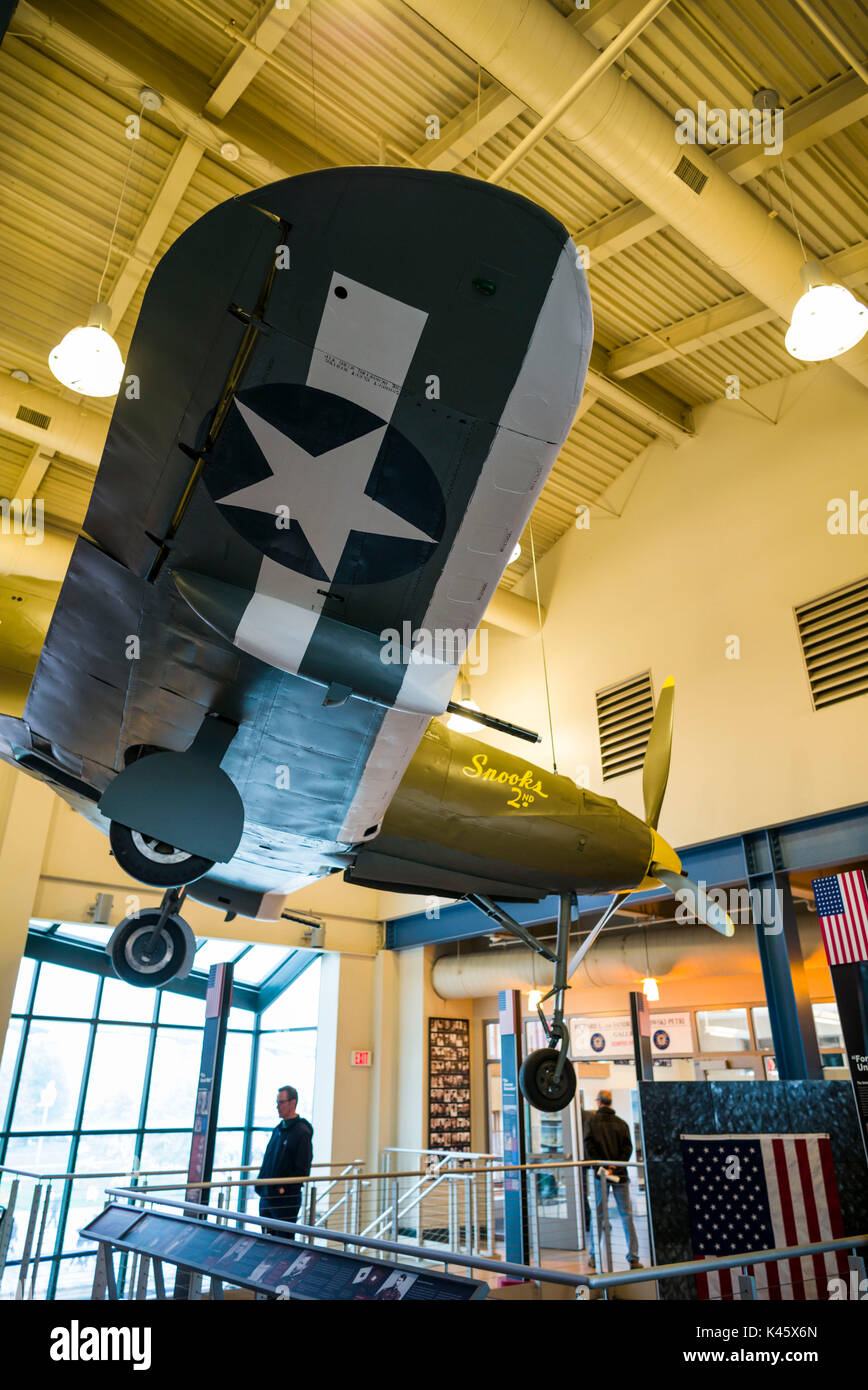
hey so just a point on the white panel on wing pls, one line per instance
(365, 345)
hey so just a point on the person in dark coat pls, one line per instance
(607, 1139)
(288, 1155)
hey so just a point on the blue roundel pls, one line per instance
(323, 486)
(662, 1039)
(598, 1042)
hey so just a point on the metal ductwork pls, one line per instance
(619, 958)
(532, 50)
(514, 613)
(28, 412)
(29, 557)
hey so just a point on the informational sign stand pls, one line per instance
(269, 1266)
(850, 983)
(218, 1002)
(512, 1109)
(842, 911)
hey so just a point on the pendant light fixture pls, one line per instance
(87, 359)
(827, 319)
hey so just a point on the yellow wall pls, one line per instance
(719, 538)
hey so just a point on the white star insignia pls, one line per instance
(325, 493)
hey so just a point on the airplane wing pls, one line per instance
(342, 398)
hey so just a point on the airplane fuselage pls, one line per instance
(473, 818)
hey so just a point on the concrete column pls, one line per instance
(342, 1091)
(30, 807)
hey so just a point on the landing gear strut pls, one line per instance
(546, 1078)
(153, 946)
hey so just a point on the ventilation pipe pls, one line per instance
(532, 50)
(514, 613)
(28, 412)
(32, 557)
(618, 958)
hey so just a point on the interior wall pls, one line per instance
(716, 540)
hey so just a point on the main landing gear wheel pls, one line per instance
(540, 1084)
(152, 946)
(152, 861)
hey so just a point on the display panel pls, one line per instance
(449, 1084)
(283, 1268)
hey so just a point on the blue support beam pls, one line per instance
(839, 837)
(797, 1053)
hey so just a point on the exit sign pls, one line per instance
(361, 1059)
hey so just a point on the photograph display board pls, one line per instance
(283, 1268)
(449, 1084)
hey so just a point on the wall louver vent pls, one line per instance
(32, 417)
(624, 715)
(689, 174)
(834, 635)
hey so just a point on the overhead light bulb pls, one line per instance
(88, 359)
(515, 554)
(827, 320)
(650, 988)
(462, 725)
(534, 999)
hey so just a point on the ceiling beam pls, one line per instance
(138, 59)
(659, 410)
(726, 320)
(153, 229)
(246, 62)
(34, 472)
(839, 104)
(127, 57)
(470, 129)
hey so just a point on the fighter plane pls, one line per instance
(343, 396)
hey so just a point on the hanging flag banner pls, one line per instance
(842, 907)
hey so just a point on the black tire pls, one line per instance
(148, 966)
(153, 862)
(536, 1080)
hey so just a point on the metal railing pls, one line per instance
(30, 1202)
(583, 1284)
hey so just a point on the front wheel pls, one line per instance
(152, 861)
(140, 958)
(539, 1085)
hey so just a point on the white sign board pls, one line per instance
(671, 1036)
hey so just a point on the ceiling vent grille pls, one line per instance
(834, 636)
(32, 417)
(689, 174)
(624, 715)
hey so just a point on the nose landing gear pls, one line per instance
(547, 1078)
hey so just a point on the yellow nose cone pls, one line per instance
(663, 854)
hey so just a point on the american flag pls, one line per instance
(842, 906)
(762, 1192)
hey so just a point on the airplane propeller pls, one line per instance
(665, 865)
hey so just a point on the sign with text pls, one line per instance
(671, 1036)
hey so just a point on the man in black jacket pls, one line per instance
(607, 1139)
(288, 1155)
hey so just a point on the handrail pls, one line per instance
(420, 1173)
(147, 1172)
(553, 1276)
